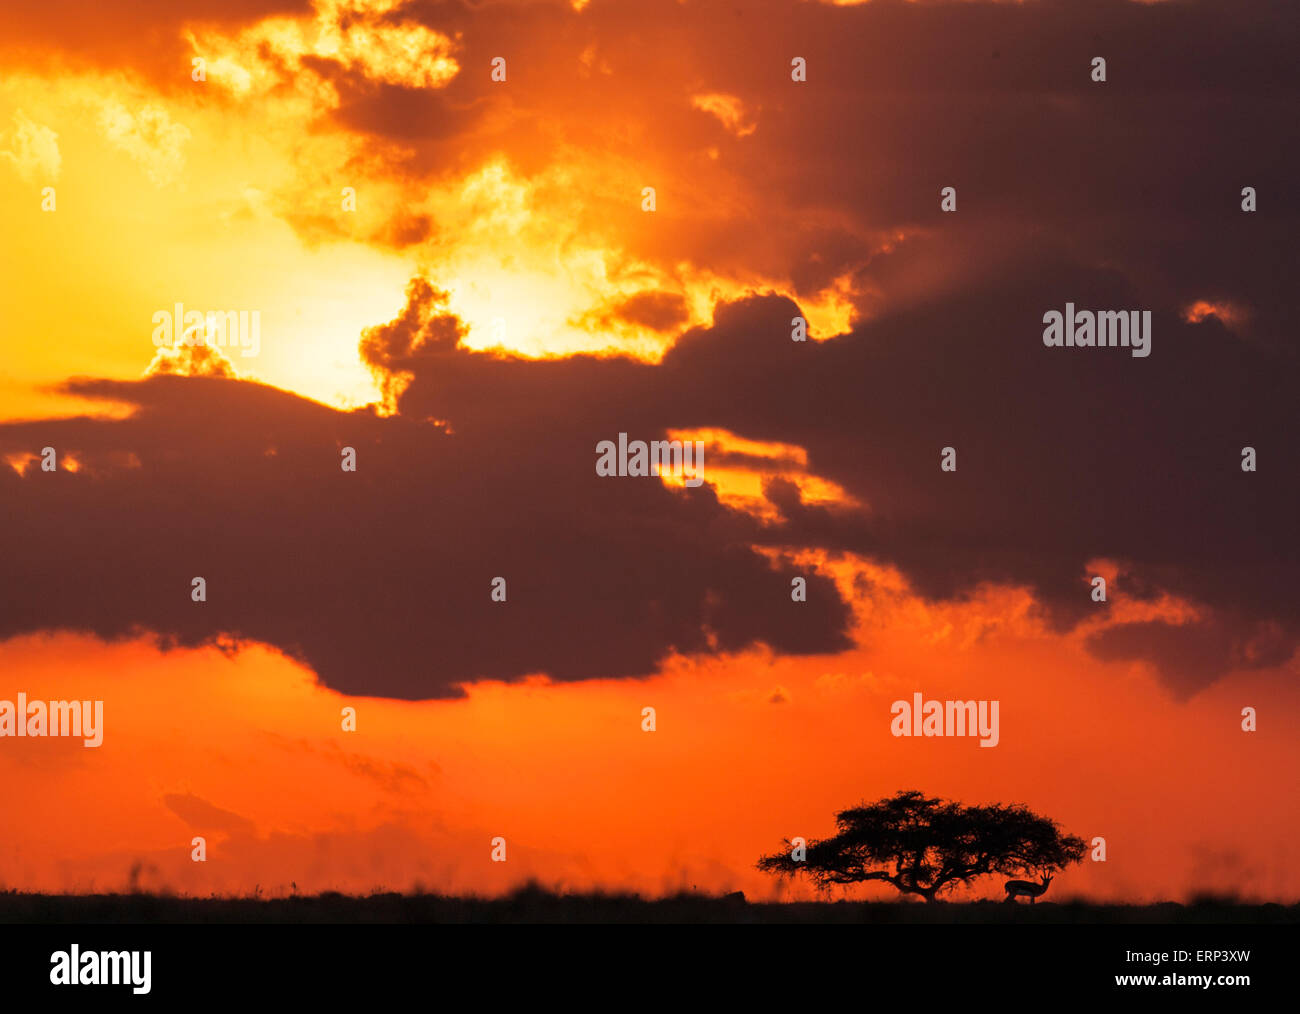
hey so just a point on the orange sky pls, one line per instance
(522, 201)
(248, 751)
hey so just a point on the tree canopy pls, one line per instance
(923, 845)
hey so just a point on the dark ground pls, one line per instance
(532, 905)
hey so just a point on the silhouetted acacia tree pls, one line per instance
(924, 846)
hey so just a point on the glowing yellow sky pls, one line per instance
(229, 194)
(137, 229)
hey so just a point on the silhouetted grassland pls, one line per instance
(534, 905)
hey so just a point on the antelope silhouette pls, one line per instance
(1028, 888)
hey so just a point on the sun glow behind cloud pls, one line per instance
(175, 198)
(360, 37)
(528, 272)
(738, 468)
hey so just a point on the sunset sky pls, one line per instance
(458, 277)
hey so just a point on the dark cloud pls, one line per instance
(1142, 173)
(1195, 654)
(1064, 455)
(380, 579)
(662, 311)
(201, 815)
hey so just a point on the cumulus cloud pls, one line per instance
(377, 41)
(34, 151)
(729, 110)
(607, 578)
(153, 140)
(197, 360)
(1065, 456)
